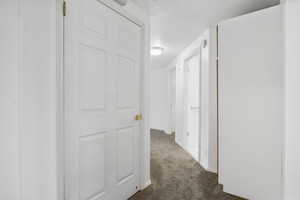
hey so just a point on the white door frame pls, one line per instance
(193, 53)
(144, 146)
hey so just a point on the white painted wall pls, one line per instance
(292, 99)
(28, 118)
(159, 100)
(9, 144)
(292, 147)
(29, 131)
(251, 105)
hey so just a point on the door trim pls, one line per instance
(60, 152)
(144, 145)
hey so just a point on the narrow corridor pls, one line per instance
(177, 176)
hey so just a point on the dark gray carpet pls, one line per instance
(175, 175)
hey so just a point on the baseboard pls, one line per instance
(203, 165)
(164, 131)
(147, 184)
(177, 142)
(212, 170)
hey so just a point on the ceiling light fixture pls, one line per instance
(156, 51)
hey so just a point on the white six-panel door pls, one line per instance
(102, 98)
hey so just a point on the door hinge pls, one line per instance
(64, 8)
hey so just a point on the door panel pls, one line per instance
(251, 90)
(91, 166)
(102, 97)
(193, 107)
(93, 64)
(125, 138)
(126, 95)
(94, 18)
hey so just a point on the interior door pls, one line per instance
(193, 107)
(173, 98)
(251, 91)
(102, 98)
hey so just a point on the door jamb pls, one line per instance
(60, 150)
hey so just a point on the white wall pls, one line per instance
(28, 117)
(37, 100)
(251, 105)
(292, 150)
(159, 100)
(9, 152)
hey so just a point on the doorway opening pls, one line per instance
(182, 112)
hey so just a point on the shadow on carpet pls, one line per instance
(175, 175)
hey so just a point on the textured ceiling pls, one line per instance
(176, 23)
(144, 4)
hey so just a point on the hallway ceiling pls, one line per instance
(177, 23)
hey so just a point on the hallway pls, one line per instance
(177, 176)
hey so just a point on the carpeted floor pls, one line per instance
(175, 175)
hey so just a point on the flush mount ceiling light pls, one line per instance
(156, 51)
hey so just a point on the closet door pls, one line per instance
(193, 106)
(102, 98)
(251, 100)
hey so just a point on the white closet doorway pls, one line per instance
(192, 104)
(102, 102)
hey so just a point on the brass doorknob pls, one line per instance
(138, 117)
